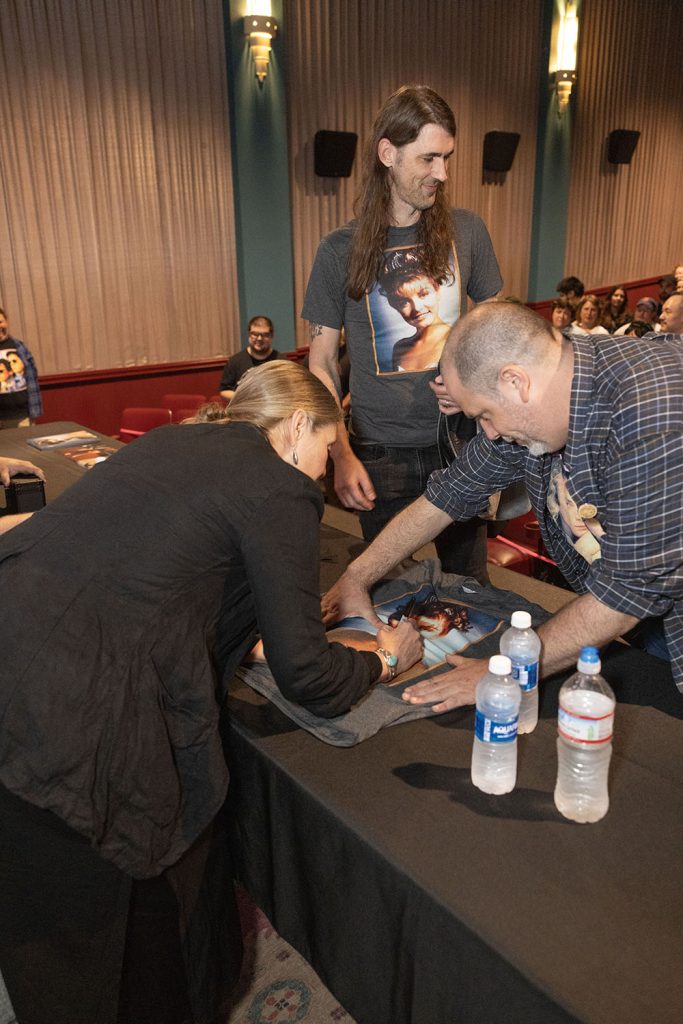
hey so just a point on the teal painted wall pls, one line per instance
(258, 127)
(551, 185)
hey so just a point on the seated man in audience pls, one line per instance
(20, 402)
(571, 289)
(259, 350)
(667, 286)
(671, 320)
(598, 420)
(645, 312)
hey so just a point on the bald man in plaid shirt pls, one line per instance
(594, 426)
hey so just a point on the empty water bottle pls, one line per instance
(523, 647)
(494, 754)
(584, 741)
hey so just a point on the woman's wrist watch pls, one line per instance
(389, 659)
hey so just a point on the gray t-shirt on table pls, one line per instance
(392, 404)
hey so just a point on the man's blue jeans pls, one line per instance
(399, 476)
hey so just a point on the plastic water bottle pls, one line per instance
(494, 755)
(523, 647)
(584, 741)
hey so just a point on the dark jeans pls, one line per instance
(399, 476)
(648, 635)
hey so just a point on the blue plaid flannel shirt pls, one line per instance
(624, 455)
(35, 402)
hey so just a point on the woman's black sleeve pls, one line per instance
(281, 550)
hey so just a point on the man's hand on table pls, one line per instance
(453, 689)
(10, 467)
(348, 597)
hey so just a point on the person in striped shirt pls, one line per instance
(597, 421)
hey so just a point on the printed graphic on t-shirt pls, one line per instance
(411, 313)
(446, 626)
(12, 371)
(578, 521)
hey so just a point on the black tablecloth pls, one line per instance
(60, 472)
(420, 900)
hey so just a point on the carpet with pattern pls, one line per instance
(277, 985)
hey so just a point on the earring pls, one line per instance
(295, 457)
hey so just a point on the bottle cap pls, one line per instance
(521, 620)
(589, 661)
(500, 665)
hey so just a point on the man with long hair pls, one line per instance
(403, 216)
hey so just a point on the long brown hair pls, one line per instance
(400, 121)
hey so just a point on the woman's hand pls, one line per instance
(404, 641)
(10, 467)
(452, 689)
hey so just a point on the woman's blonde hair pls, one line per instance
(266, 395)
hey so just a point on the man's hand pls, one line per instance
(352, 482)
(10, 467)
(348, 597)
(452, 689)
(446, 403)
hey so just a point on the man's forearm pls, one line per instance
(326, 369)
(583, 622)
(416, 525)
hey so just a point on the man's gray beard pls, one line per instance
(538, 448)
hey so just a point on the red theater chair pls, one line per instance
(182, 406)
(138, 420)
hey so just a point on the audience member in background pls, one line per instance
(587, 316)
(402, 209)
(259, 350)
(128, 603)
(615, 312)
(678, 276)
(20, 402)
(605, 416)
(667, 287)
(645, 312)
(671, 320)
(571, 289)
(562, 314)
(636, 329)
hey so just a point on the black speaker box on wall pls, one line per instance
(620, 145)
(499, 150)
(333, 153)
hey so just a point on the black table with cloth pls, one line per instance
(421, 900)
(60, 472)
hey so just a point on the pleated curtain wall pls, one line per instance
(345, 58)
(625, 221)
(116, 209)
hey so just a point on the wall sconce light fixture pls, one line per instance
(261, 29)
(563, 56)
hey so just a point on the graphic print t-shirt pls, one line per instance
(13, 391)
(395, 333)
(578, 522)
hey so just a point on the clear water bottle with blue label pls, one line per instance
(494, 755)
(584, 741)
(523, 648)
